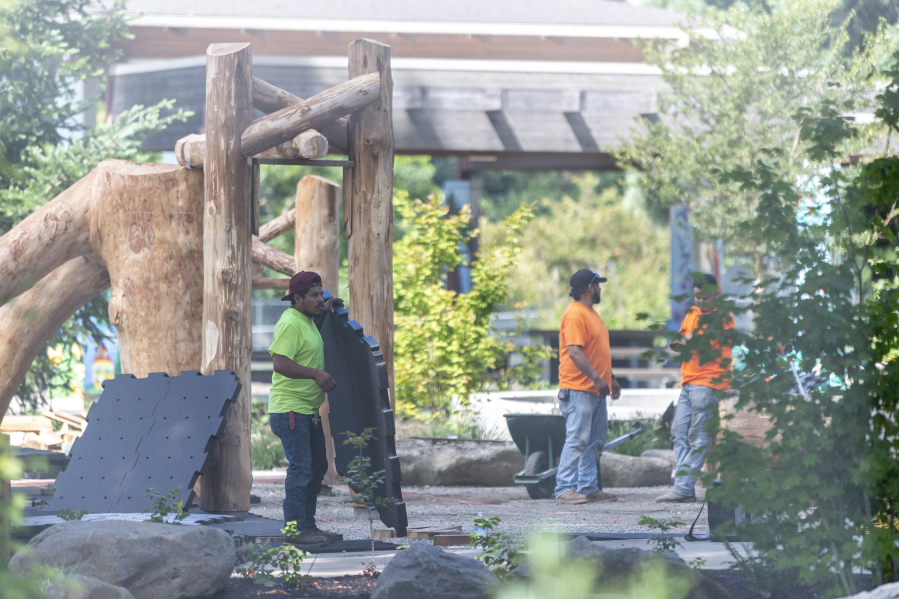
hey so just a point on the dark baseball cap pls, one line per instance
(585, 277)
(302, 281)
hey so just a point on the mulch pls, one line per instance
(360, 587)
(339, 587)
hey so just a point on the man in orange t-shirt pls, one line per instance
(585, 379)
(703, 382)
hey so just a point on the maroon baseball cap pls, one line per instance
(302, 281)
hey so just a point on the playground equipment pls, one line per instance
(177, 245)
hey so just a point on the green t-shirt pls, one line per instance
(297, 338)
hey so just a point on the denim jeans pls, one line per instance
(691, 439)
(304, 447)
(586, 428)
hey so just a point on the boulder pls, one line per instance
(663, 454)
(629, 568)
(629, 471)
(427, 571)
(886, 591)
(85, 587)
(153, 561)
(456, 462)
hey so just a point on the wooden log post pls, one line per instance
(317, 248)
(368, 202)
(147, 228)
(227, 255)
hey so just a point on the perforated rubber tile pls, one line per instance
(359, 401)
(154, 433)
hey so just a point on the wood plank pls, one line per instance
(227, 254)
(27, 424)
(368, 202)
(266, 283)
(384, 533)
(268, 99)
(450, 540)
(287, 123)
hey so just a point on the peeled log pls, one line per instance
(274, 259)
(268, 99)
(278, 226)
(287, 123)
(146, 224)
(28, 321)
(310, 144)
(53, 234)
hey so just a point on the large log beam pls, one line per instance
(268, 99)
(28, 321)
(190, 150)
(368, 201)
(274, 259)
(46, 239)
(287, 123)
(227, 257)
(317, 248)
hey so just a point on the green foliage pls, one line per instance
(822, 489)
(364, 481)
(265, 446)
(654, 436)
(50, 46)
(731, 105)
(69, 515)
(595, 230)
(662, 542)
(161, 506)
(499, 552)
(443, 345)
(286, 558)
(14, 586)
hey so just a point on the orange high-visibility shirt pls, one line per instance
(694, 373)
(582, 326)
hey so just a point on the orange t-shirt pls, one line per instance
(583, 326)
(694, 373)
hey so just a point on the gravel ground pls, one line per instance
(456, 506)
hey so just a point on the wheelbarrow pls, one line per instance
(540, 437)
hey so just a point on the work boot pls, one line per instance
(675, 497)
(600, 496)
(334, 536)
(310, 538)
(571, 498)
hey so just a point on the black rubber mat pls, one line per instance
(146, 433)
(361, 401)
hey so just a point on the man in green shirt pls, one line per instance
(298, 390)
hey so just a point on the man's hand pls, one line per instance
(333, 303)
(324, 380)
(616, 390)
(602, 387)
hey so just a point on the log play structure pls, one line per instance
(179, 245)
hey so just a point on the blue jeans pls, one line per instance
(691, 439)
(586, 428)
(304, 447)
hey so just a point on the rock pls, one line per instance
(428, 571)
(629, 471)
(85, 587)
(886, 591)
(452, 462)
(622, 567)
(662, 454)
(153, 561)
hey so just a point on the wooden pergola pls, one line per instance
(178, 244)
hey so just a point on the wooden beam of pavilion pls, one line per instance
(274, 259)
(268, 99)
(333, 103)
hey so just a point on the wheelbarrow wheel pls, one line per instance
(539, 462)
